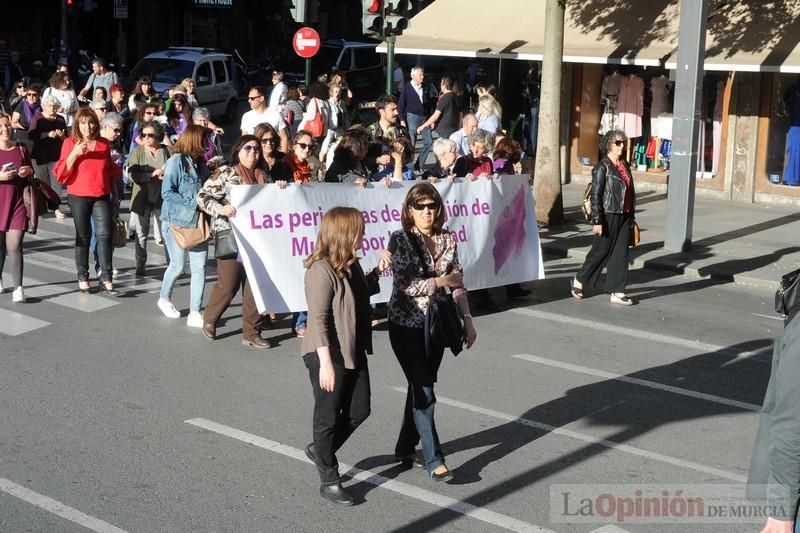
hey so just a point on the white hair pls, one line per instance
(111, 119)
(49, 99)
(201, 113)
(443, 146)
(416, 69)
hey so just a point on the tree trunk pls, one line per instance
(547, 173)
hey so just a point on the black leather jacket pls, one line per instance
(608, 190)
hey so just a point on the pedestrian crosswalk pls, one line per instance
(49, 254)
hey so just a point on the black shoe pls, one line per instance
(310, 452)
(335, 493)
(447, 475)
(487, 305)
(411, 460)
(209, 331)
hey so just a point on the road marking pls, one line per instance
(126, 252)
(646, 335)
(64, 295)
(610, 529)
(457, 506)
(57, 508)
(772, 317)
(625, 448)
(636, 381)
(13, 324)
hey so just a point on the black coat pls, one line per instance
(608, 190)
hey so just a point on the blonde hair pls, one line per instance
(488, 105)
(339, 234)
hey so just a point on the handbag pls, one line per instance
(443, 325)
(635, 234)
(225, 246)
(787, 297)
(187, 238)
(35, 205)
(316, 126)
(119, 233)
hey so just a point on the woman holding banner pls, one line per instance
(247, 168)
(420, 248)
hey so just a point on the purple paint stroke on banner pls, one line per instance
(509, 234)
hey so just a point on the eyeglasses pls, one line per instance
(619, 142)
(268, 140)
(147, 135)
(251, 148)
(101, 109)
(251, 98)
(117, 130)
(304, 146)
(431, 206)
(33, 94)
(146, 113)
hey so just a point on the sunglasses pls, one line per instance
(251, 98)
(100, 109)
(270, 140)
(250, 148)
(33, 94)
(619, 142)
(305, 146)
(431, 206)
(117, 130)
(149, 113)
(147, 135)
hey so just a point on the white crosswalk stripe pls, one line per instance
(13, 323)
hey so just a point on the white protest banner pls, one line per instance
(493, 221)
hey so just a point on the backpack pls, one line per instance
(586, 205)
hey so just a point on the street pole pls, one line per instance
(685, 124)
(308, 72)
(390, 64)
(547, 172)
(64, 28)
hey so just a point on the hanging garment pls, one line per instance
(659, 87)
(609, 93)
(791, 173)
(717, 128)
(631, 105)
(651, 149)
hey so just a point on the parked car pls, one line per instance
(214, 72)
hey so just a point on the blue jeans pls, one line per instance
(415, 121)
(534, 128)
(177, 258)
(418, 425)
(299, 319)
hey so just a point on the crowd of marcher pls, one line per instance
(90, 145)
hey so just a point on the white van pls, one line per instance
(213, 73)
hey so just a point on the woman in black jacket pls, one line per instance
(613, 207)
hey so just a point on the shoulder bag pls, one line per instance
(443, 325)
(316, 126)
(187, 238)
(636, 235)
(787, 297)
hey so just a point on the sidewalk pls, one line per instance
(747, 244)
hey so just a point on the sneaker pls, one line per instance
(59, 214)
(18, 296)
(159, 242)
(620, 298)
(2, 289)
(168, 309)
(114, 273)
(300, 332)
(194, 320)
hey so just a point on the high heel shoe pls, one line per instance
(84, 287)
(109, 290)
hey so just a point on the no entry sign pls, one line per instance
(306, 42)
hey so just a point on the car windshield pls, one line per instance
(171, 71)
(326, 58)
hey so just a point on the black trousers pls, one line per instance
(83, 210)
(337, 414)
(609, 250)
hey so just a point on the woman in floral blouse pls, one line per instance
(422, 218)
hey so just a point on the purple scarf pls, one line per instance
(29, 110)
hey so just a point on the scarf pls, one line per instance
(29, 110)
(250, 177)
(301, 170)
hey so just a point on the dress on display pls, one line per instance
(791, 172)
(659, 87)
(610, 95)
(631, 106)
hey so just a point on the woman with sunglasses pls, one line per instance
(247, 168)
(184, 174)
(17, 95)
(23, 114)
(297, 158)
(422, 241)
(270, 141)
(613, 208)
(146, 170)
(86, 168)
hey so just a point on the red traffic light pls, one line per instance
(375, 7)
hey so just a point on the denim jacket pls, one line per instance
(179, 191)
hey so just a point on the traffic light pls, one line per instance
(372, 17)
(395, 18)
(298, 10)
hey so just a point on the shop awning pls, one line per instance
(747, 35)
(514, 29)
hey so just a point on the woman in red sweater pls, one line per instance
(85, 167)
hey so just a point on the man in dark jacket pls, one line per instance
(412, 106)
(775, 463)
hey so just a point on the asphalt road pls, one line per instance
(113, 416)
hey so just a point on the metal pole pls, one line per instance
(63, 27)
(685, 123)
(390, 64)
(308, 72)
